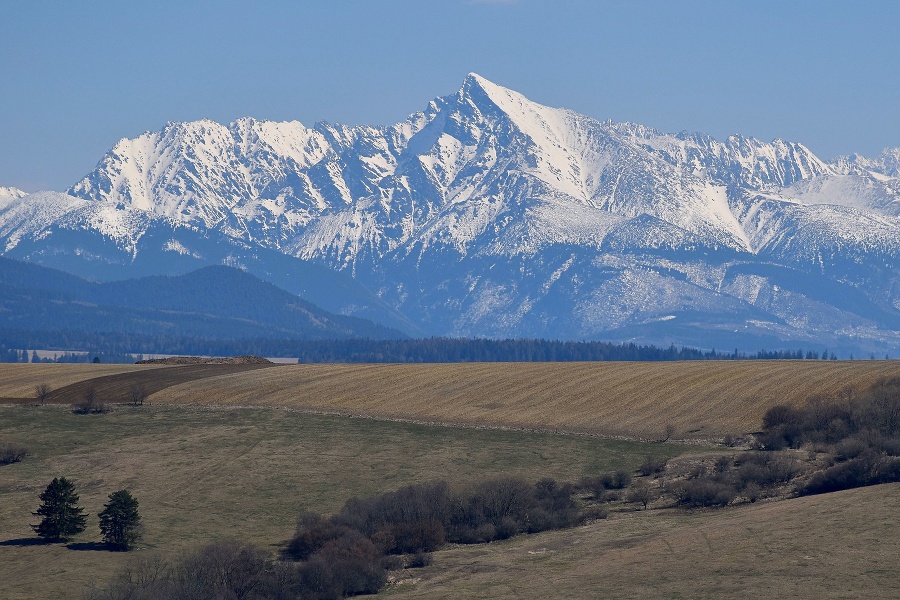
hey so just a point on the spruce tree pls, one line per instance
(120, 522)
(62, 517)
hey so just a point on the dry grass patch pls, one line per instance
(204, 474)
(699, 399)
(841, 545)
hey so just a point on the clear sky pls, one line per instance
(77, 76)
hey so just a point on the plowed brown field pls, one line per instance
(19, 380)
(701, 399)
(112, 384)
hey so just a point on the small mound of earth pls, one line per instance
(199, 360)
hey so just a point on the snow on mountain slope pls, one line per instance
(860, 183)
(11, 193)
(490, 214)
(33, 217)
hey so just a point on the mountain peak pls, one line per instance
(476, 89)
(474, 79)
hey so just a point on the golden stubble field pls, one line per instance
(702, 400)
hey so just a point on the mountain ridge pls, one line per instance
(488, 214)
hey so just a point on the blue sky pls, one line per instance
(77, 76)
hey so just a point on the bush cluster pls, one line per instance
(230, 569)
(422, 518)
(220, 570)
(600, 486)
(875, 416)
(653, 465)
(868, 468)
(89, 404)
(747, 474)
(861, 435)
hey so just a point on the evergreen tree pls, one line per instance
(62, 517)
(120, 522)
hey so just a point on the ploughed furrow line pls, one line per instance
(118, 387)
(18, 380)
(699, 399)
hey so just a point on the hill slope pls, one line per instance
(217, 303)
(839, 545)
(701, 399)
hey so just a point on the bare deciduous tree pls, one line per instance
(138, 394)
(669, 432)
(41, 391)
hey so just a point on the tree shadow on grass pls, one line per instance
(88, 546)
(29, 541)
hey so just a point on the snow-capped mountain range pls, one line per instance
(487, 214)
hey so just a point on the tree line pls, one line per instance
(128, 349)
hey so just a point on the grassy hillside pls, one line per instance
(701, 399)
(841, 545)
(206, 474)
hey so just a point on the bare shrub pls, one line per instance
(668, 432)
(12, 453)
(723, 463)
(600, 485)
(593, 513)
(703, 492)
(89, 404)
(880, 408)
(223, 570)
(780, 415)
(412, 519)
(393, 562)
(765, 469)
(653, 465)
(595, 486)
(640, 493)
(782, 427)
(752, 492)
(347, 566)
(229, 568)
(616, 481)
(419, 560)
